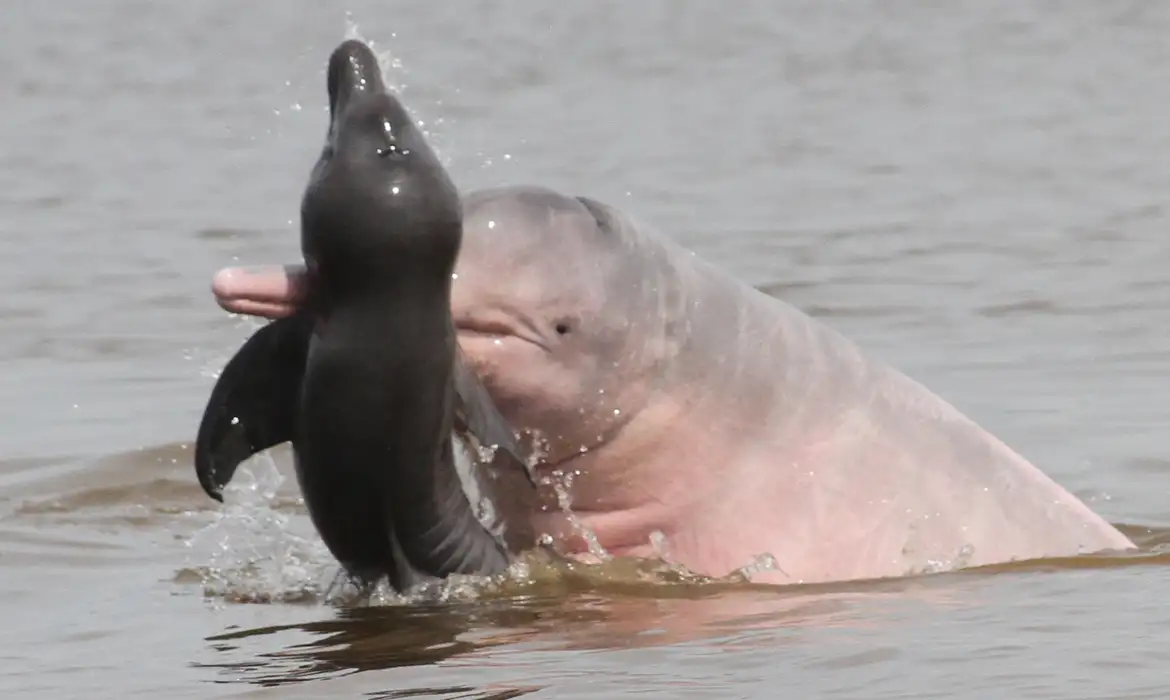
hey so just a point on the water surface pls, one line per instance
(977, 192)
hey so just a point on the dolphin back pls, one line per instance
(253, 404)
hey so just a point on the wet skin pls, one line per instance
(365, 378)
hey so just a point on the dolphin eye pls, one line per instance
(563, 328)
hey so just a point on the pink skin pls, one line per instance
(683, 402)
(264, 292)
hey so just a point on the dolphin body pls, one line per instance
(398, 447)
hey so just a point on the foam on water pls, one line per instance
(251, 552)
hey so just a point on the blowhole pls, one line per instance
(563, 328)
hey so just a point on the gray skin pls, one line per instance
(366, 380)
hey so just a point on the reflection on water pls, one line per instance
(376, 638)
(606, 616)
(592, 608)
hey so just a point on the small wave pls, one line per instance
(38, 547)
(858, 311)
(216, 234)
(162, 495)
(1024, 307)
(141, 487)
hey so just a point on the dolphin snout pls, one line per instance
(353, 68)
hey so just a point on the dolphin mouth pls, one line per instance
(497, 331)
(353, 70)
(266, 291)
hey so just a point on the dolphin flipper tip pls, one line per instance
(250, 408)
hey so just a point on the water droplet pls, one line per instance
(235, 420)
(491, 224)
(394, 189)
(454, 275)
(617, 411)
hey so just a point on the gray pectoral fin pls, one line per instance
(477, 414)
(252, 406)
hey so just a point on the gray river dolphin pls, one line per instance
(398, 446)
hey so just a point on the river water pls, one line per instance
(977, 192)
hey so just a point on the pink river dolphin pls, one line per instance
(689, 416)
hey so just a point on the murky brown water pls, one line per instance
(977, 192)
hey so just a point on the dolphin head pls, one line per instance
(568, 315)
(379, 208)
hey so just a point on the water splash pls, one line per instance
(250, 552)
(562, 485)
(924, 556)
(758, 565)
(961, 560)
(394, 73)
(211, 363)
